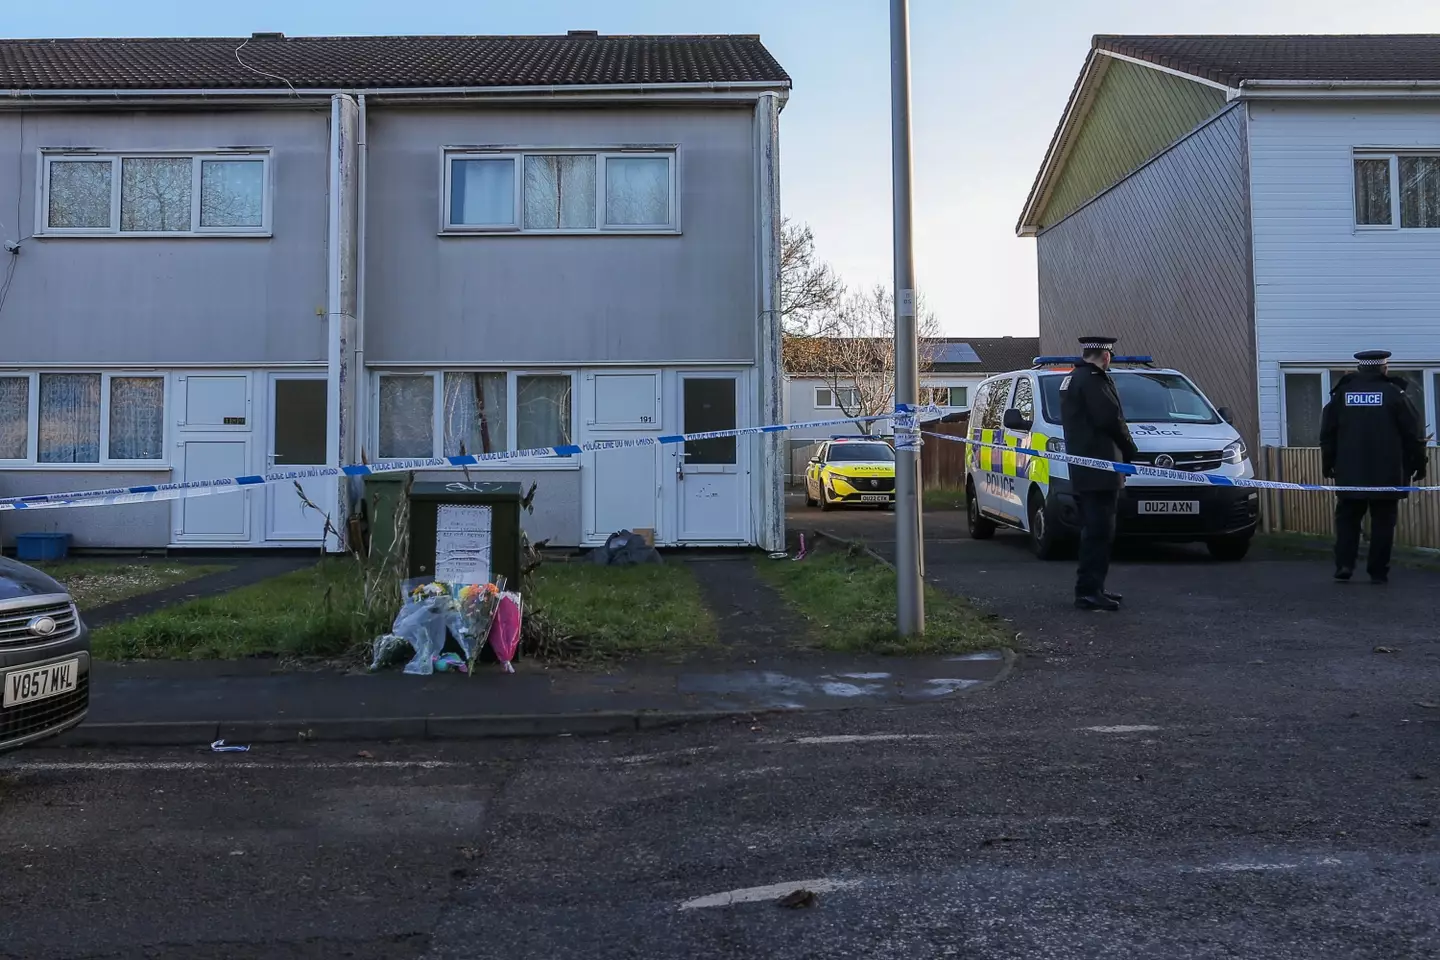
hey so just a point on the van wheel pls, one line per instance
(980, 528)
(1043, 538)
(1229, 549)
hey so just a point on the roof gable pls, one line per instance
(274, 61)
(1119, 116)
(1134, 114)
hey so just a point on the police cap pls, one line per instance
(1096, 342)
(1372, 358)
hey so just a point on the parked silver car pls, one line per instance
(44, 657)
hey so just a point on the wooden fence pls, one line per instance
(942, 462)
(1299, 511)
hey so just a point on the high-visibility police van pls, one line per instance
(1175, 427)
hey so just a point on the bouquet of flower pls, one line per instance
(428, 613)
(505, 631)
(477, 603)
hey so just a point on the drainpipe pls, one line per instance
(771, 493)
(362, 380)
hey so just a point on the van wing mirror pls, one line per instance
(1226, 414)
(1015, 420)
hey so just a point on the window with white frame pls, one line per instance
(828, 398)
(155, 194)
(944, 396)
(459, 412)
(1397, 190)
(1306, 390)
(560, 191)
(82, 418)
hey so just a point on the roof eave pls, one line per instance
(708, 91)
(1338, 89)
(1076, 109)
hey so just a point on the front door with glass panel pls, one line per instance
(712, 488)
(298, 407)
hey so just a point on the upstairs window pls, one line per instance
(1397, 190)
(827, 398)
(496, 191)
(156, 194)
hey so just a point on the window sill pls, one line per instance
(219, 235)
(644, 232)
(500, 466)
(128, 467)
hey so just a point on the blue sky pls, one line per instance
(990, 80)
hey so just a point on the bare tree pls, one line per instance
(856, 359)
(810, 292)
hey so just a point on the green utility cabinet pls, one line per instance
(465, 531)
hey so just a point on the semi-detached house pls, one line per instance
(223, 256)
(1252, 210)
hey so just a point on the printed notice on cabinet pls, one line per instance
(462, 544)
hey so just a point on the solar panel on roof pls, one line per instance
(956, 353)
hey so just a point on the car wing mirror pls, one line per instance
(1015, 420)
(1226, 414)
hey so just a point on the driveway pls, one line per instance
(1272, 628)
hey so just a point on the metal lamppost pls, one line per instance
(909, 541)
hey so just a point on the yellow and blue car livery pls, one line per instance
(857, 471)
(1175, 428)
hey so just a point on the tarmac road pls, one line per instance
(1227, 770)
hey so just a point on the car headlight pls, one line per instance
(1235, 453)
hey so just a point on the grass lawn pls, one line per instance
(96, 582)
(850, 603)
(618, 612)
(590, 612)
(944, 498)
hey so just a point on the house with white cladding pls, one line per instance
(1253, 210)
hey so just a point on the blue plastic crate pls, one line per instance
(41, 547)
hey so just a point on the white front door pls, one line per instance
(298, 406)
(712, 483)
(622, 485)
(213, 435)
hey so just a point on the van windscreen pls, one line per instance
(1145, 397)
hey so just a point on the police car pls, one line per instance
(851, 470)
(1175, 427)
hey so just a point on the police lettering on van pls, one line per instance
(1175, 427)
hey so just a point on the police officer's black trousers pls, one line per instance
(1348, 516)
(1097, 533)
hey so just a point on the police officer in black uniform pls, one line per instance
(1371, 435)
(1095, 427)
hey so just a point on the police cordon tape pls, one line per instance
(186, 489)
(905, 419)
(1180, 476)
